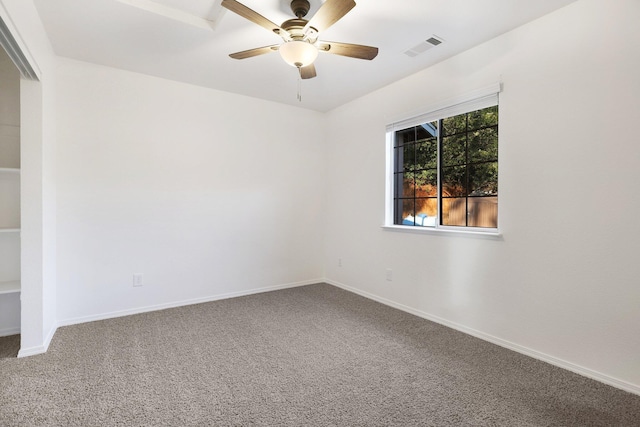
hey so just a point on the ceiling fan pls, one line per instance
(301, 44)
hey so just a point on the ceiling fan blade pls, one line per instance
(254, 52)
(329, 13)
(351, 50)
(253, 16)
(308, 72)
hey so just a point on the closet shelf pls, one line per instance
(9, 170)
(10, 287)
(9, 230)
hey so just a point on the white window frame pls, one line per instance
(476, 100)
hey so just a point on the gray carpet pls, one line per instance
(309, 356)
(9, 346)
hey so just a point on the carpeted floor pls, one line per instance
(308, 356)
(9, 346)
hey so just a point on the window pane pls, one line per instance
(423, 133)
(408, 211)
(472, 212)
(453, 125)
(409, 157)
(483, 118)
(429, 129)
(483, 145)
(426, 183)
(426, 210)
(483, 179)
(454, 211)
(398, 159)
(419, 212)
(454, 181)
(453, 150)
(408, 185)
(426, 154)
(397, 184)
(405, 136)
(483, 212)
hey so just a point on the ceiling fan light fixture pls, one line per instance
(298, 53)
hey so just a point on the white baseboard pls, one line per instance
(49, 337)
(139, 310)
(581, 370)
(39, 349)
(32, 351)
(6, 332)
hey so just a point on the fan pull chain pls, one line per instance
(299, 86)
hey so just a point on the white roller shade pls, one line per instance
(477, 100)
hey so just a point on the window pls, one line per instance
(444, 168)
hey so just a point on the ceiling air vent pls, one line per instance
(423, 46)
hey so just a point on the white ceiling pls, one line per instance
(189, 41)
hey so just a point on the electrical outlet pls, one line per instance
(137, 279)
(339, 262)
(389, 275)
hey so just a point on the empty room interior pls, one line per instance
(207, 218)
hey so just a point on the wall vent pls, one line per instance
(424, 46)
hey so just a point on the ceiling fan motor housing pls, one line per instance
(300, 8)
(295, 28)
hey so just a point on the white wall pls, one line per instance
(37, 204)
(562, 283)
(204, 192)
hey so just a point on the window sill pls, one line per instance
(489, 234)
